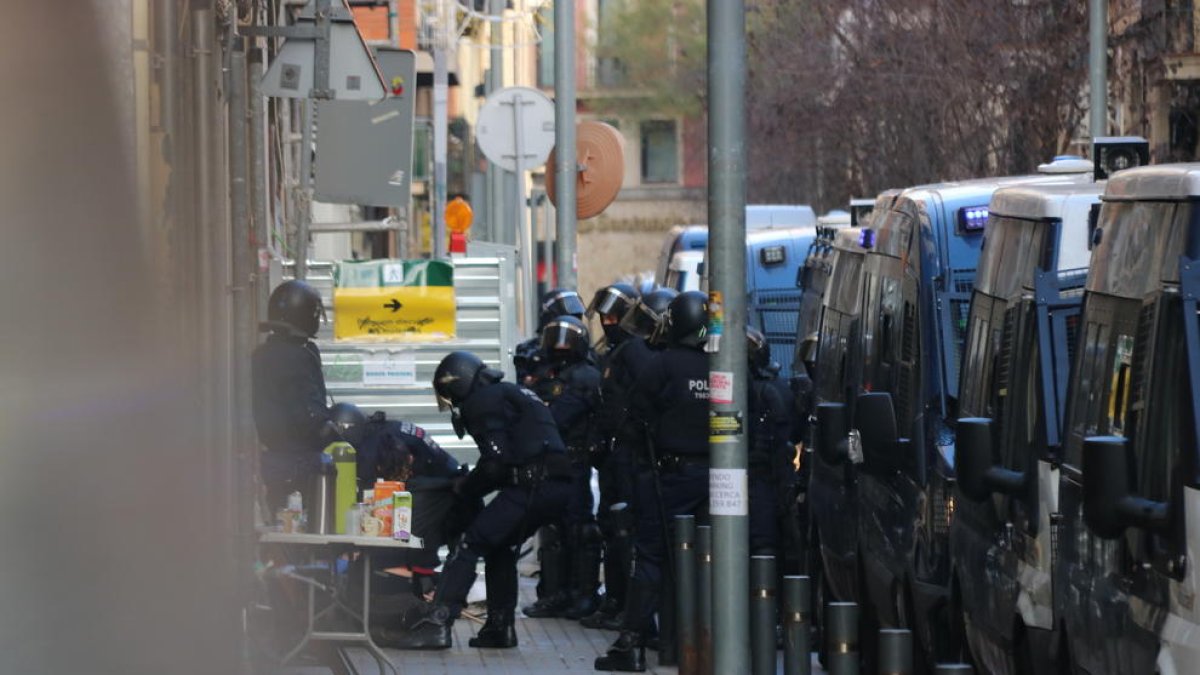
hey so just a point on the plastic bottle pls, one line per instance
(346, 460)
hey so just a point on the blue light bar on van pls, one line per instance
(772, 255)
(972, 219)
(866, 238)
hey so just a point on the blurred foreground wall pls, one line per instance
(113, 557)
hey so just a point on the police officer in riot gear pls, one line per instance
(289, 396)
(523, 459)
(671, 401)
(771, 475)
(571, 574)
(629, 356)
(614, 514)
(528, 359)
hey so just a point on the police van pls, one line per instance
(772, 257)
(915, 295)
(1015, 368)
(1128, 536)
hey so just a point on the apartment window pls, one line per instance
(660, 152)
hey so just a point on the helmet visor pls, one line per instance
(562, 335)
(567, 302)
(640, 321)
(609, 301)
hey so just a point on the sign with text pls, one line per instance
(728, 492)
(393, 300)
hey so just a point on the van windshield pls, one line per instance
(1140, 245)
(842, 287)
(1013, 251)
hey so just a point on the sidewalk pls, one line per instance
(545, 646)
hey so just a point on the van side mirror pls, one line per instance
(1109, 507)
(831, 433)
(808, 353)
(875, 419)
(975, 467)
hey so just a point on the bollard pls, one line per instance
(668, 653)
(841, 624)
(797, 656)
(953, 669)
(685, 594)
(704, 606)
(762, 614)
(895, 651)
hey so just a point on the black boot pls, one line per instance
(497, 633)
(585, 564)
(606, 616)
(431, 632)
(553, 596)
(626, 655)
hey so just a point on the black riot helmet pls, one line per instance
(297, 305)
(559, 302)
(758, 352)
(350, 421)
(686, 320)
(565, 339)
(611, 302)
(457, 376)
(644, 319)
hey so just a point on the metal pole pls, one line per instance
(762, 617)
(495, 175)
(797, 654)
(304, 212)
(1098, 65)
(440, 130)
(685, 594)
(895, 651)
(528, 311)
(727, 277)
(841, 624)
(259, 178)
(204, 85)
(704, 578)
(243, 306)
(565, 171)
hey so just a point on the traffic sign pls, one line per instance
(498, 133)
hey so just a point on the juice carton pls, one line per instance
(402, 517)
(382, 508)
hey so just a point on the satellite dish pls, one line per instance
(497, 129)
(600, 153)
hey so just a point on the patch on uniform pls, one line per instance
(557, 389)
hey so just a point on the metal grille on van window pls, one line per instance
(1004, 362)
(941, 513)
(1072, 337)
(962, 280)
(908, 352)
(1137, 373)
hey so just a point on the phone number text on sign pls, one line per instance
(728, 492)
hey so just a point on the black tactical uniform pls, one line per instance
(523, 458)
(671, 400)
(571, 574)
(624, 357)
(771, 475)
(289, 396)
